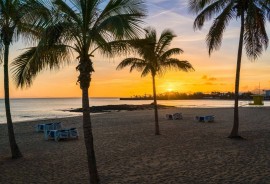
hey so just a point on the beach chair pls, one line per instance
(174, 116)
(177, 116)
(73, 133)
(169, 116)
(208, 118)
(48, 126)
(70, 133)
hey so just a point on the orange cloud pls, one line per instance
(205, 77)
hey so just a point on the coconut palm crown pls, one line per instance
(18, 19)
(155, 59)
(80, 27)
(251, 15)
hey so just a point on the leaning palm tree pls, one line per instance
(80, 27)
(155, 58)
(251, 15)
(17, 19)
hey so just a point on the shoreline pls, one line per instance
(24, 110)
(98, 110)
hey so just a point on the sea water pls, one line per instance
(48, 108)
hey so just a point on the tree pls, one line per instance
(251, 15)
(155, 58)
(17, 19)
(81, 27)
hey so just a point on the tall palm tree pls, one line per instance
(155, 58)
(17, 19)
(251, 15)
(80, 27)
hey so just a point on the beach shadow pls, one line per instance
(239, 138)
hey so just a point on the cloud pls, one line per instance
(244, 87)
(169, 14)
(204, 77)
(212, 78)
(170, 5)
(222, 84)
(207, 78)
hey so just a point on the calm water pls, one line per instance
(33, 109)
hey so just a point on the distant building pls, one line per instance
(267, 94)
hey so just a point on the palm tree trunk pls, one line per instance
(155, 107)
(15, 151)
(234, 132)
(88, 138)
(85, 67)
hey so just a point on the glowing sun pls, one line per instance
(169, 89)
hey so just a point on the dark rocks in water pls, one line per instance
(109, 108)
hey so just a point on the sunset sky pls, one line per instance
(215, 73)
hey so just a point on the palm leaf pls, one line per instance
(1, 52)
(135, 63)
(214, 37)
(173, 63)
(147, 70)
(255, 36)
(265, 6)
(125, 14)
(197, 5)
(66, 9)
(164, 41)
(26, 66)
(170, 53)
(208, 12)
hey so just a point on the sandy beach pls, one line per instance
(127, 150)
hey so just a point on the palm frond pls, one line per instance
(214, 37)
(59, 33)
(207, 13)
(34, 12)
(26, 66)
(30, 34)
(173, 63)
(1, 53)
(121, 18)
(198, 5)
(150, 34)
(147, 70)
(68, 11)
(265, 6)
(89, 12)
(117, 47)
(103, 45)
(137, 46)
(170, 53)
(164, 41)
(255, 36)
(135, 63)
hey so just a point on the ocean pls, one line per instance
(49, 108)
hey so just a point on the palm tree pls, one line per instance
(155, 58)
(252, 15)
(17, 19)
(80, 27)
